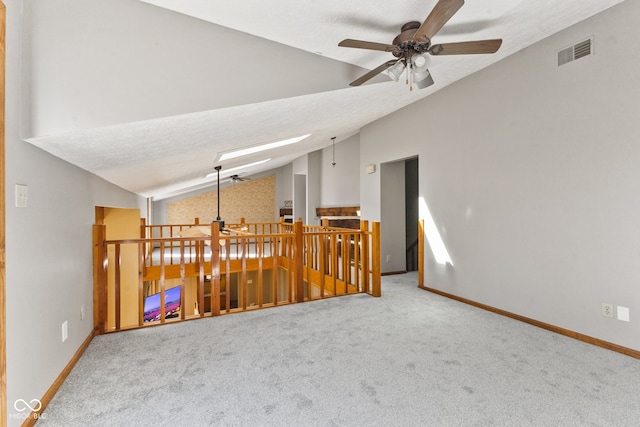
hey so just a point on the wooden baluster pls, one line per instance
(308, 245)
(334, 262)
(275, 255)
(298, 261)
(215, 271)
(322, 267)
(357, 238)
(346, 249)
(200, 261)
(243, 274)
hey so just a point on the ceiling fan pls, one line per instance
(237, 178)
(413, 46)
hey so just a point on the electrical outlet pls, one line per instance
(82, 312)
(607, 310)
(65, 331)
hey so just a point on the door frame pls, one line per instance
(3, 254)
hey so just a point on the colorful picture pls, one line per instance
(171, 305)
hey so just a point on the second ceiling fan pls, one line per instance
(413, 46)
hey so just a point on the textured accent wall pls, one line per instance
(253, 200)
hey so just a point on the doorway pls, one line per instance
(399, 213)
(412, 207)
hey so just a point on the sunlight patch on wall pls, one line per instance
(433, 235)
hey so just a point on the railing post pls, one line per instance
(365, 257)
(215, 270)
(143, 228)
(421, 253)
(99, 279)
(376, 289)
(299, 260)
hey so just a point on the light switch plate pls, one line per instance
(22, 195)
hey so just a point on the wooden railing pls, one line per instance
(244, 267)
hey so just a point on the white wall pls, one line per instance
(314, 179)
(531, 174)
(341, 183)
(309, 166)
(49, 246)
(392, 214)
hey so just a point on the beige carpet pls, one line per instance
(410, 358)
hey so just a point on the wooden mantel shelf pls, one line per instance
(338, 211)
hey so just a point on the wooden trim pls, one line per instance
(33, 417)
(566, 332)
(3, 333)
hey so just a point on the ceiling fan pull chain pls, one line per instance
(407, 69)
(410, 73)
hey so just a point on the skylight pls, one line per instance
(259, 148)
(237, 168)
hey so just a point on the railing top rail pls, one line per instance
(239, 224)
(335, 232)
(238, 237)
(199, 238)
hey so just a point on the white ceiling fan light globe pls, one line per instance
(420, 62)
(422, 79)
(395, 72)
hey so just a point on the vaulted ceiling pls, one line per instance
(148, 93)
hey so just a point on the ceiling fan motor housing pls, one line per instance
(406, 44)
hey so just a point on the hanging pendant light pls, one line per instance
(218, 220)
(333, 141)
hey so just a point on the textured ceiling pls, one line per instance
(147, 94)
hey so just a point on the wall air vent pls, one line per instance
(577, 51)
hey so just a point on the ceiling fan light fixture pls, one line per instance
(422, 79)
(420, 63)
(395, 72)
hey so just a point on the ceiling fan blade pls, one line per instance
(360, 44)
(466, 48)
(371, 74)
(441, 13)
